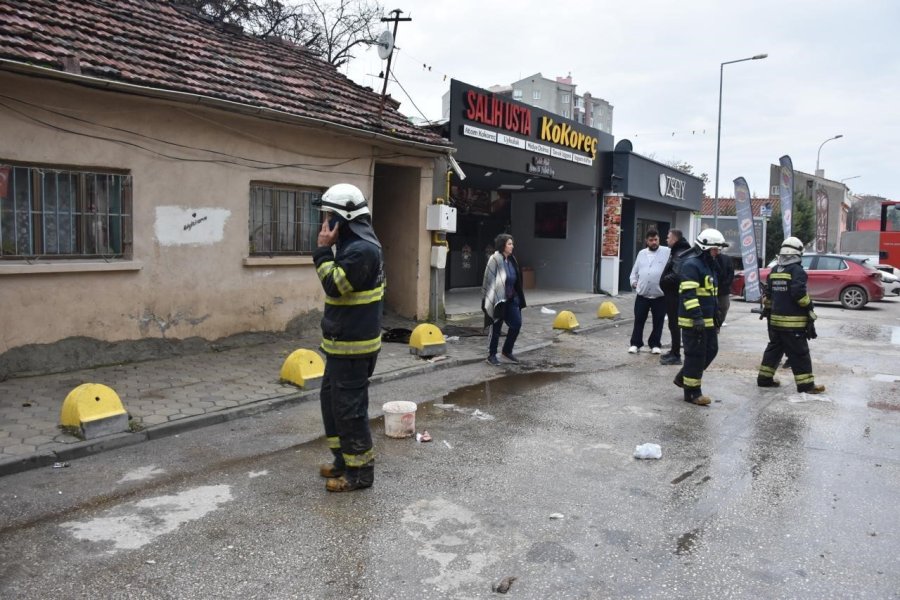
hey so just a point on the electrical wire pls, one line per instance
(262, 165)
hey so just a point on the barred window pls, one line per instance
(58, 213)
(283, 219)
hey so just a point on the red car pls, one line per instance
(831, 278)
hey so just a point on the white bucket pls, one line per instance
(399, 418)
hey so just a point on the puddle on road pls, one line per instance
(870, 332)
(514, 384)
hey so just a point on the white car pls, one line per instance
(890, 279)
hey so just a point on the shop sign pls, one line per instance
(497, 112)
(671, 187)
(612, 224)
(540, 165)
(562, 139)
(564, 135)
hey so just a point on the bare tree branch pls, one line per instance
(329, 30)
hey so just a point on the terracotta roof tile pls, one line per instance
(726, 206)
(161, 45)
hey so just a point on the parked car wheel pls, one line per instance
(853, 297)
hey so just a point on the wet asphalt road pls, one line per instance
(764, 494)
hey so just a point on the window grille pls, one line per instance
(57, 213)
(283, 219)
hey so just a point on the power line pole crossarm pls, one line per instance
(387, 72)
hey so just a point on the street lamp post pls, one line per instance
(819, 153)
(719, 129)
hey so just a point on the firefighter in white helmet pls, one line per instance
(791, 318)
(353, 280)
(697, 313)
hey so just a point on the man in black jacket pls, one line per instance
(353, 281)
(669, 283)
(725, 265)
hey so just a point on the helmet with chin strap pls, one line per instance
(791, 246)
(711, 238)
(344, 200)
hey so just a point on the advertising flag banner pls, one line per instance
(786, 191)
(821, 220)
(747, 237)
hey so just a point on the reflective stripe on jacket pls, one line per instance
(353, 281)
(787, 296)
(697, 292)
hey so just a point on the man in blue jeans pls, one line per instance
(650, 299)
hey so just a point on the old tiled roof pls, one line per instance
(162, 45)
(726, 206)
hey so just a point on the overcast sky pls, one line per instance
(833, 68)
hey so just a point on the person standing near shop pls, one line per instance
(502, 298)
(645, 276)
(697, 313)
(669, 283)
(726, 278)
(789, 311)
(353, 280)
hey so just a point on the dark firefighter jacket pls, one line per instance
(787, 298)
(697, 291)
(670, 277)
(353, 281)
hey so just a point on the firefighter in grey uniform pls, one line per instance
(789, 310)
(353, 280)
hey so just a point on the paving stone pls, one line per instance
(19, 449)
(154, 420)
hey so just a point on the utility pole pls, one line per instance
(387, 72)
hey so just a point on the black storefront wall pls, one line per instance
(653, 191)
(526, 146)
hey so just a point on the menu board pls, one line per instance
(612, 225)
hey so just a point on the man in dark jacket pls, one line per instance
(353, 280)
(669, 284)
(790, 314)
(726, 278)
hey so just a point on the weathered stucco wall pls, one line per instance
(190, 273)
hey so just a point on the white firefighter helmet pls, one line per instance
(791, 246)
(344, 200)
(711, 238)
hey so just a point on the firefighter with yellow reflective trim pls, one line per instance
(353, 280)
(789, 310)
(697, 313)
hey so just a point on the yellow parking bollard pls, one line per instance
(427, 340)
(565, 320)
(607, 310)
(95, 409)
(304, 368)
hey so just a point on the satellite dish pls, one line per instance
(385, 43)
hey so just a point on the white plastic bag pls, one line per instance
(648, 451)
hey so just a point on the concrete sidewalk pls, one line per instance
(171, 395)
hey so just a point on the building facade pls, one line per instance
(143, 200)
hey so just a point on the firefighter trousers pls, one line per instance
(345, 410)
(796, 347)
(700, 349)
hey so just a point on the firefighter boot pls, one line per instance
(767, 382)
(814, 389)
(352, 479)
(335, 469)
(698, 399)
